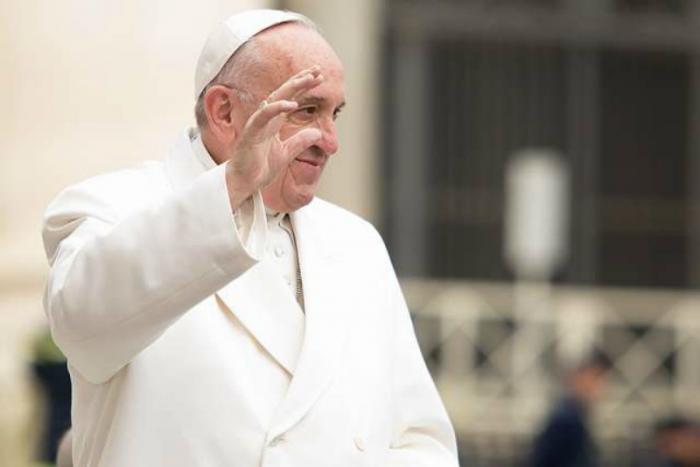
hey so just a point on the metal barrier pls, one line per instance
(495, 351)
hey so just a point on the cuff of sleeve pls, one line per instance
(209, 199)
(251, 225)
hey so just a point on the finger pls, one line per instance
(291, 89)
(264, 114)
(306, 87)
(301, 141)
(297, 84)
(314, 70)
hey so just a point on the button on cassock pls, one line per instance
(360, 444)
(276, 441)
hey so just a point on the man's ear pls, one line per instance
(219, 102)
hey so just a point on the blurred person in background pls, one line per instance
(213, 313)
(676, 443)
(565, 440)
(50, 370)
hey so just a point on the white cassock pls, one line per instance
(187, 346)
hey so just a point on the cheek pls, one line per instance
(289, 129)
(272, 192)
(303, 175)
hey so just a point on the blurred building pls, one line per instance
(612, 86)
(441, 93)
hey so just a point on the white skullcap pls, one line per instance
(230, 35)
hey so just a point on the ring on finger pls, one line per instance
(264, 103)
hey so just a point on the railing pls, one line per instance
(496, 351)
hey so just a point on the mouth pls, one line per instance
(313, 162)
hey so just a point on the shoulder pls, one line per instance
(113, 192)
(341, 222)
(567, 418)
(99, 201)
(147, 175)
(349, 235)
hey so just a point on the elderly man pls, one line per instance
(213, 312)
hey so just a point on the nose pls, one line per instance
(329, 138)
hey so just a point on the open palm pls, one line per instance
(260, 153)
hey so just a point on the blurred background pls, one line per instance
(533, 165)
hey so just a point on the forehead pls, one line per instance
(291, 48)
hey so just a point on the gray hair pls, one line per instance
(238, 71)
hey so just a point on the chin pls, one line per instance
(300, 199)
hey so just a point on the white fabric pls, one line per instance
(245, 213)
(185, 350)
(200, 151)
(231, 34)
(280, 248)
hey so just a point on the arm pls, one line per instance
(116, 285)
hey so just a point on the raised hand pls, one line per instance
(260, 154)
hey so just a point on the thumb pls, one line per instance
(301, 141)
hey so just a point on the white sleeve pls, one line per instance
(116, 284)
(423, 434)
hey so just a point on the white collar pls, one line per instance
(200, 150)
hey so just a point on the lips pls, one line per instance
(307, 170)
(314, 162)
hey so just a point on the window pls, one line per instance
(619, 113)
(657, 6)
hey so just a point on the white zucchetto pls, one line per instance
(230, 35)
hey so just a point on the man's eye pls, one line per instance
(304, 114)
(307, 111)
